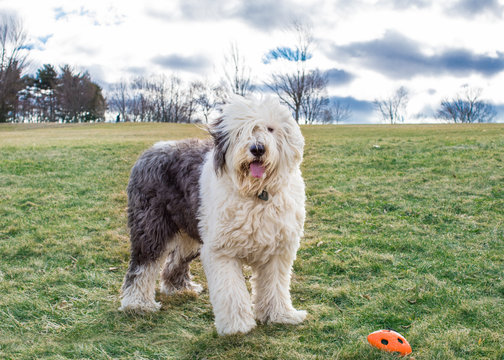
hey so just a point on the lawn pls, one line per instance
(404, 230)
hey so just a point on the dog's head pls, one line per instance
(257, 142)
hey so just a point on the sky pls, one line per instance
(367, 48)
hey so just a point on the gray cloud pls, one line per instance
(357, 5)
(261, 14)
(265, 14)
(155, 13)
(361, 106)
(338, 77)
(499, 108)
(193, 10)
(406, 4)
(472, 8)
(136, 70)
(88, 50)
(363, 111)
(399, 57)
(185, 63)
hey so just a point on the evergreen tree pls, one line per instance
(46, 82)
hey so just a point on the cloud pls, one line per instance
(184, 63)
(499, 108)
(406, 4)
(136, 70)
(97, 74)
(356, 105)
(399, 57)
(192, 10)
(338, 77)
(362, 110)
(98, 16)
(261, 14)
(158, 14)
(87, 49)
(267, 15)
(472, 8)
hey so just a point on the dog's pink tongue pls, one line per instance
(256, 169)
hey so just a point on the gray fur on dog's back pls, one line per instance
(163, 196)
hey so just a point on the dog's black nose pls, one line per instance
(257, 150)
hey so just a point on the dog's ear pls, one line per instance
(221, 142)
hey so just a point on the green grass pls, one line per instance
(404, 230)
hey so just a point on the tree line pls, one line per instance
(66, 95)
(170, 99)
(58, 96)
(63, 94)
(165, 99)
(465, 107)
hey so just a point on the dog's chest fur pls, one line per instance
(248, 227)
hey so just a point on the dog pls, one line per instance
(238, 198)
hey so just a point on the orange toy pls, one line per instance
(389, 340)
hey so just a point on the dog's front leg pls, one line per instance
(228, 293)
(271, 291)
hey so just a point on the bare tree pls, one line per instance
(190, 105)
(466, 108)
(164, 99)
(237, 73)
(208, 98)
(12, 63)
(141, 107)
(336, 112)
(393, 108)
(158, 98)
(315, 98)
(293, 88)
(120, 99)
(290, 89)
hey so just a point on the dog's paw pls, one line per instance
(292, 317)
(169, 289)
(242, 326)
(197, 288)
(140, 307)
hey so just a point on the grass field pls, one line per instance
(404, 230)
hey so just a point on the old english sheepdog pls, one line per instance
(239, 199)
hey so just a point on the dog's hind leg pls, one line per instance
(151, 232)
(176, 276)
(138, 290)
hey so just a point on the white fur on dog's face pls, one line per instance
(266, 122)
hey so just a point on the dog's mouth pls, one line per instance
(257, 169)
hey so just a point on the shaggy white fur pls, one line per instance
(238, 227)
(140, 295)
(250, 209)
